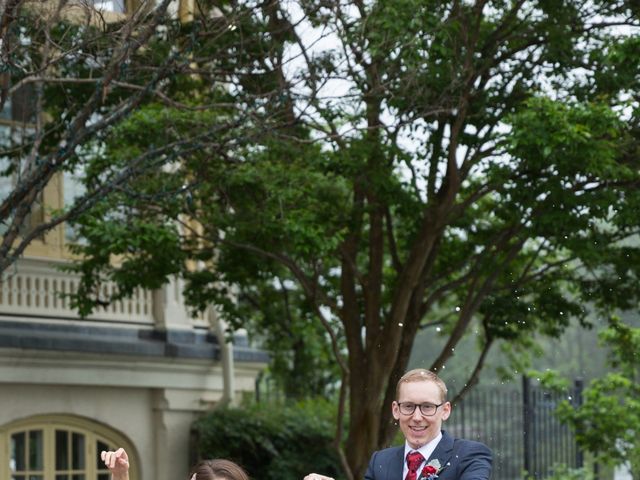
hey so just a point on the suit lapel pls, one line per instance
(396, 465)
(443, 450)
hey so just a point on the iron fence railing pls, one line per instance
(527, 438)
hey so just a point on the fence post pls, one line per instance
(460, 408)
(527, 424)
(578, 384)
(258, 382)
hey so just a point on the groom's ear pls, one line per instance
(446, 410)
(395, 410)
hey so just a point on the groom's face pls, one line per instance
(417, 428)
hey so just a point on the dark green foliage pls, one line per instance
(302, 362)
(124, 244)
(607, 423)
(272, 442)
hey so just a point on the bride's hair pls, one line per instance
(218, 469)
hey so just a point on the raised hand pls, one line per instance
(117, 462)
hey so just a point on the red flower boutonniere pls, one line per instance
(431, 470)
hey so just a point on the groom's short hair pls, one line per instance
(422, 375)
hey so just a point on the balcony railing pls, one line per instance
(37, 288)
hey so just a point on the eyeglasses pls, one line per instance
(426, 409)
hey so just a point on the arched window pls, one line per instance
(59, 447)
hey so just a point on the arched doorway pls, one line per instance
(59, 447)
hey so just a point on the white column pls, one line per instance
(171, 436)
(169, 309)
(219, 328)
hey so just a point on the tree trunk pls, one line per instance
(362, 439)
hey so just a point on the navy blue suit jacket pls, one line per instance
(459, 460)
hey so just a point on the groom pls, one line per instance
(429, 453)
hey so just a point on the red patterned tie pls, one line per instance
(414, 459)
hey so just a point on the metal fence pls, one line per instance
(520, 427)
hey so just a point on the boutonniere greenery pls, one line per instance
(431, 470)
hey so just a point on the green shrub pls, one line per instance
(562, 472)
(271, 442)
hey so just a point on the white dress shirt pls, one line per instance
(426, 451)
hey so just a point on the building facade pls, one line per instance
(134, 374)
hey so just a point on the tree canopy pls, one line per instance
(384, 166)
(70, 73)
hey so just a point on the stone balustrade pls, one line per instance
(37, 287)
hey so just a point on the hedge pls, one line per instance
(271, 442)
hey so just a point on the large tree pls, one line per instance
(440, 164)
